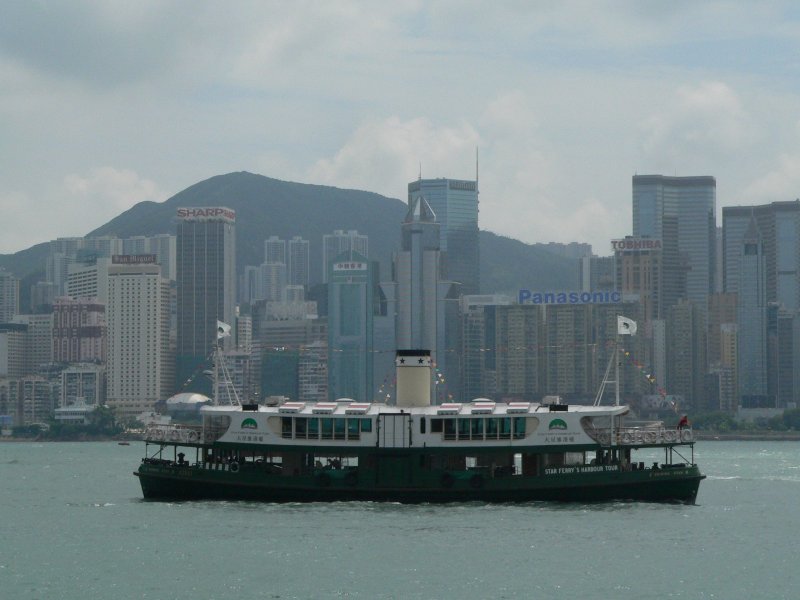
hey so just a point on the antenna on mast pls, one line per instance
(420, 170)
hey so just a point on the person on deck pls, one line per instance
(684, 422)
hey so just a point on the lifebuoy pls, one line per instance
(670, 436)
(174, 435)
(627, 438)
(447, 480)
(603, 438)
(234, 468)
(476, 481)
(351, 479)
(192, 436)
(686, 435)
(650, 437)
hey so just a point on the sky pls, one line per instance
(106, 104)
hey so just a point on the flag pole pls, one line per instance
(616, 367)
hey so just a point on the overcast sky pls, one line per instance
(105, 104)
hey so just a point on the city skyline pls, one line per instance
(566, 105)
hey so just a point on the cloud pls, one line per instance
(110, 191)
(383, 155)
(698, 122)
(780, 184)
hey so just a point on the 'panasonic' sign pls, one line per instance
(601, 297)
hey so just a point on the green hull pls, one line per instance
(170, 482)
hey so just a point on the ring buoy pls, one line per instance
(447, 480)
(209, 436)
(192, 436)
(686, 435)
(670, 436)
(650, 437)
(603, 438)
(351, 479)
(476, 481)
(234, 468)
(174, 435)
(627, 438)
(323, 480)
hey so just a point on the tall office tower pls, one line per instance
(334, 244)
(639, 273)
(9, 296)
(38, 341)
(596, 273)
(778, 226)
(79, 331)
(274, 250)
(105, 246)
(140, 364)
(206, 287)
(478, 350)
(520, 346)
(164, 247)
(89, 279)
(299, 261)
(455, 204)
(350, 312)
(271, 281)
(752, 318)
(422, 295)
(681, 212)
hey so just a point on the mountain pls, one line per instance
(266, 207)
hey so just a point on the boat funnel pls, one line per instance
(413, 377)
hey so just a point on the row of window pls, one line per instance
(313, 428)
(490, 428)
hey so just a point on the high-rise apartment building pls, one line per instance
(140, 362)
(299, 261)
(38, 341)
(334, 244)
(206, 285)
(681, 212)
(274, 250)
(455, 204)
(79, 331)
(9, 296)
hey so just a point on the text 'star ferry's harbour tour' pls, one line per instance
(418, 452)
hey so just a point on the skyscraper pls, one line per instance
(206, 284)
(274, 250)
(350, 327)
(455, 203)
(681, 212)
(9, 296)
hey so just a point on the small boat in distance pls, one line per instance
(417, 452)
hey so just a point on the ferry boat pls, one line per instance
(414, 451)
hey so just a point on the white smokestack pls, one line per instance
(413, 377)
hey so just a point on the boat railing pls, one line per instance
(178, 434)
(644, 436)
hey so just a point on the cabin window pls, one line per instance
(436, 425)
(519, 428)
(422, 424)
(505, 428)
(477, 429)
(366, 425)
(300, 428)
(491, 429)
(463, 429)
(327, 429)
(286, 427)
(352, 429)
(449, 429)
(313, 429)
(338, 428)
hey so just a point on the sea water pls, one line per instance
(73, 525)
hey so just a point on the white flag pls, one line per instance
(625, 326)
(223, 330)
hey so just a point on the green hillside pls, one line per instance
(266, 207)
